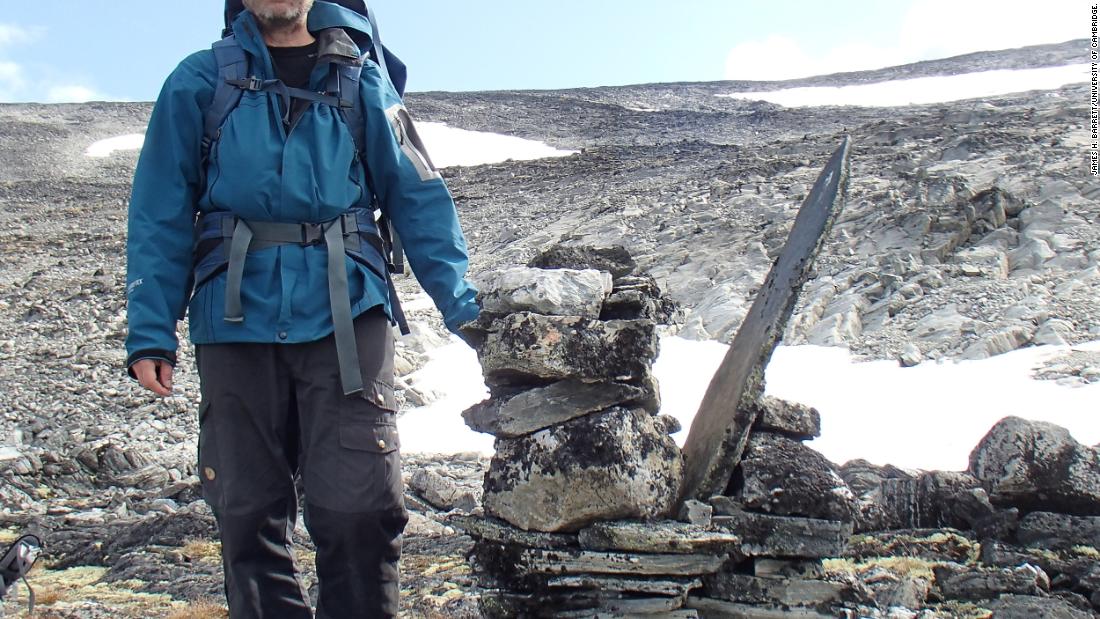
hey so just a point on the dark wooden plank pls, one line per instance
(720, 429)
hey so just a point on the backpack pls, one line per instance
(234, 78)
(14, 565)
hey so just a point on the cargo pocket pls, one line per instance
(380, 394)
(371, 479)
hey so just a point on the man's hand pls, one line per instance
(155, 375)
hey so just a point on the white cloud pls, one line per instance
(930, 29)
(10, 34)
(73, 94)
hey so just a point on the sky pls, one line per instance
(79, 50)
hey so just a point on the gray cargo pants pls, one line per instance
(270, 411)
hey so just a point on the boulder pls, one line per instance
(933, 499)
(1037, 465)
(795, 420)
(530, 348)
(782, 476)
(999, 342)
(611, 465)
(615, 260)
(1012, 606)
(558, 292)
(535, 409)
(986, 583)
(1053, 531)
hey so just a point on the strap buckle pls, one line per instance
(248, 83)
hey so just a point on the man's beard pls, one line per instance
(279, 18)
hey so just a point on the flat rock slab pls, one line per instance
(989, 583)
(718, 432)
(719, 609)
(558, 292)
(657, 537)
(776, 591)
(617, 464)
(653, 586)
(1011, 606)
(1035, 465)
(541, 407)
(524, 348)
(535, 561)
(786, 536)
(503, 533)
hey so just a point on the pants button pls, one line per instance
(282, 335)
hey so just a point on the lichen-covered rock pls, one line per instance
(525, 348)
(933, 499)
(604, 466)
(1037, 465)
(1012, 606)
(782, 476)
(790, 418)
(984, 583)
(557, 292)
(615, 260)
(1059, 531)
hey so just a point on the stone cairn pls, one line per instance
(582, 510)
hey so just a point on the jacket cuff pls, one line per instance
(149, 353)
(469, 311)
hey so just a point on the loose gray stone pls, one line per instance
(615, 260)
(525, 346)
(784, 477)
(766, 567)
(790, 418)
(1035, 465)
(558, 292)
(910, 356)
(695, 512)
(657, 537)
(785, 536)
(1053, 332)
(542, 407)
(924, 502)
(1059, 531)
(719, 609)
(1010, 606)
(983, 584)
(441, 492)
(1000, 342)
(663, 586)
(784, 591)
(503, 533)
(535, 561)
(604, 466)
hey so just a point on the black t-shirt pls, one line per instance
(293, 66)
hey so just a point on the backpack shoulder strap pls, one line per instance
(232, 65)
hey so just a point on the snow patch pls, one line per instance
(448, 146)
(105, 148)
(929, 416)
(922, 90)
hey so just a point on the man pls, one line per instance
(286, 259)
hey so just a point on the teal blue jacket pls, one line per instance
(259, 170)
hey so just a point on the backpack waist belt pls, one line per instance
(223, 241)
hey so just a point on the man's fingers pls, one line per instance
(146, 372)
(165, 374)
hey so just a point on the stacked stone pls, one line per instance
(791, 509)
(566, 346)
